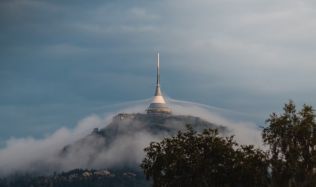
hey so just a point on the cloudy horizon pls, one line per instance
(60, 61)
(46, 155)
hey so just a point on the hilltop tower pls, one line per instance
(158, 104)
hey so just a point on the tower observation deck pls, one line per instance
(158, 104)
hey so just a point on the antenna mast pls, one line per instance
(158, 71)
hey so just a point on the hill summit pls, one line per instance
(121, 142)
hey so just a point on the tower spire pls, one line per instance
(158, 70)
(158, 104)
(158, 91)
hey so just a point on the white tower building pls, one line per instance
(158, 104)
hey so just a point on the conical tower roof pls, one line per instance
(158, 104)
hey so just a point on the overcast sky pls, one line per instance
(61, 60)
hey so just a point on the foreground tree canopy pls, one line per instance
(207, 159)
(291, 140)
(204, 159)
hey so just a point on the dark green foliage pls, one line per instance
(291, 138)
(204, 159)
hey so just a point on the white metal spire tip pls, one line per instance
(158, 60)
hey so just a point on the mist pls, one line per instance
(43, 155)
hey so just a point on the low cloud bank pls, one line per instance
(245, 132)
(43, 156)
(32, 155)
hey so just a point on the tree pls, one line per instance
(291, 139)
(204, 159)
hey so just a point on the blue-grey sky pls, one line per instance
(62, 60)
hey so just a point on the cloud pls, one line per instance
(241, 47)
(30, 154)
(246, 132)
(43, 155)
(61, 60)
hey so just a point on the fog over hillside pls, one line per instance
(43, 156)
